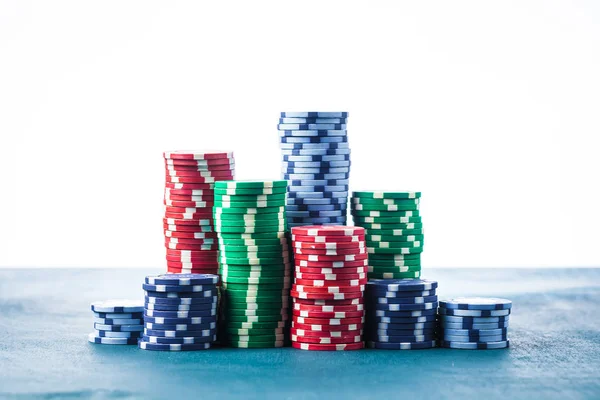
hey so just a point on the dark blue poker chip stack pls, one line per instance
(401, 314)
(117, 322)
(316, 164)
(474, 323)
(180, 312)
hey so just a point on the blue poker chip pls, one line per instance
(474, 313)
(337, 201)
(403, 327)
(474, 338)
(179, 295)
(183, 279)
(402, 332)
(118, 315)
(317, 188)
(317, 195)
(396, 314)
(118, 306)
(473, 320)
(314, 133)
(310, 127)
(402, 346)
(316, 158)
(314, 146)
(119, 321)
(475, 345)
(476, 332)
(179, 340)
(495, 325)
(477, 303)
(176, 321)
(312, 120)
(314, 170)
(315, 152)
(295, 224)
(309, 208)
(162, 333)
(401, 339)
(370, 292)
(313, 139)
(180, 327)
(172, 347)
(402, 300)
(201, 309)
(118, 328)
(316, 164)
(403, 306)
(118, 334)
(315, 214)
(196, 301)
(293, 177)
(320, 182)
(315, 114)
(397, 285)
(178, 289)
(92, 338)
(315, 220)
(179, 314)
(380, 321)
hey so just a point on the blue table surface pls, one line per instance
(554, 331)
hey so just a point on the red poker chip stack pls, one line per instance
(329, 282)
(188, 225)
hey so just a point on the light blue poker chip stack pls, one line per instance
(180, 312)
(117, 322)
(474, 323)
(316, 164)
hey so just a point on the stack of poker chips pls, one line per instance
(117, 322)
(474, 323)
(401, 314)
(180, 312)
(329, 280)
(189, 197)
(316, 163)
(254, 262)
(394, 232)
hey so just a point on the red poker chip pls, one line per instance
(193, 262)
(326, 283)
(319, 258)
(328, 276)
(188, 228)
(208, 240)
(178, 221)
(328, 239)
(325, 334)
(327, 328)
(313, 340)
(332, 264)
(194, 179)
(200, 167)
(184, 197)
(328, 230)
(209, 162)
(174, 270)
(188, 210)
(190, 186)
(328, 347)
(186, 246)
(193, 265)
(190, 192)
(329, 309)
(197, 218)
(327, 321)
(199, 173)
(197, 154)
(192, 254)
(328, 315)
(330, 252)
(190, 235)
(329, 289)
(323, 302)
(196, 204)
(326, 296)
(338, 273)
(327, 246)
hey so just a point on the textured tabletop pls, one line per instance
(554, 332)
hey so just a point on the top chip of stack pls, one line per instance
(394, 232)
(401, 314)
(330, 266)
(117, 322)
(189, 197)
(474, 323)
(254, 262)
(316, 163)
(180, 312)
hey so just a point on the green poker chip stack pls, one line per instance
(393, 232)
(254, 262)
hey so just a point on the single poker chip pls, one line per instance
(394, 269)
(284, 127)
(330, 302)
(185, 204)
(325, 258)
(198, 267)
(200, 167)
(273, 332)
(318, 186)
(324, 283)
(180, 327)
(92, 338)
(378, 240)
(118, 315)
(403, 313)
(313, 340)
(183, 279)
(315, 114)
(289, 175)
(475, 345)
(176, 334)
(286, 169)
(262, 307)
(206, 321)
(250, 219)
(395, 250)
(326, 296)
(118, 328)
(281, 227)
(196, 223)
(189, 179)
(332, 197)
(200, 302)
(328, 315)
(200, 309)
(249, 191)
(228, 237)
(189, 234)
(197, 155)
(299, 244)
(403, 345)
(473, 320)
(246, 198)
(393, 261)
(278, 246)
(494, 325)
(392, 275)
(316, 157)
(386, 195)
(403, 285)
(180, 340)
(330, 252)
(328, 308)
(302, 221)
(257, 281)
(477, 303)
(256, 318)
(337, 265)
(228, 252)
(181, 314)
(247, 210)
(250, 184)
(384, 322)
(248, 243)
(256, 325)
(407, 329)
(328, 347)
(371, 293)
(384, 202)
(255, 345)
(403, 300)
(196, 255)
(473, 338)
(110, 334)
(313, 120)
(119, 321)
(326, 334)
(172, 347)
(211, 163)
(184, 270)
(402, 339)
(206, 290)
(321, 165)
(282, 259)
(475, 332)
(403, 306)
(474, 313)
(118, 306)
(383, 213)
(329, 276)
(174, 197)
(380, 247)
(328, 231)
(189, 186)
(328, 289)
(198, 173)
(190, 192)
(315, 151)
(327, 321)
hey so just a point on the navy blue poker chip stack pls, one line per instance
(474, 323)
(401, 314)
(180, 312)
(316, 164)
(117, 322)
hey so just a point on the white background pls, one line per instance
(491, 109)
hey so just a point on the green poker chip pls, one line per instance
(232, 332)
(257, 325)
(281, 228)
(396, 250)
(262, 235)
(370, 213)
(250, 204)
(383, 207)
(259, 307)
(256, 269)
(250, 191)
(251, 198)
(256, 345)
(391, 202)
(386, 195)
(394, 238)
(249, 224)
(390, 268)
(250, 184)
(252, 274)
(249, 218)
(398, 220)
(279, 312)
(283, 242)
(376, 264)
(257, 281)
(247, 210)
(256, 318)
(278, 247)
(283, 258)
(252, 287)
(392, 245)
(394, 275)
(393, 232)
(226, 253)
(241, 292)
